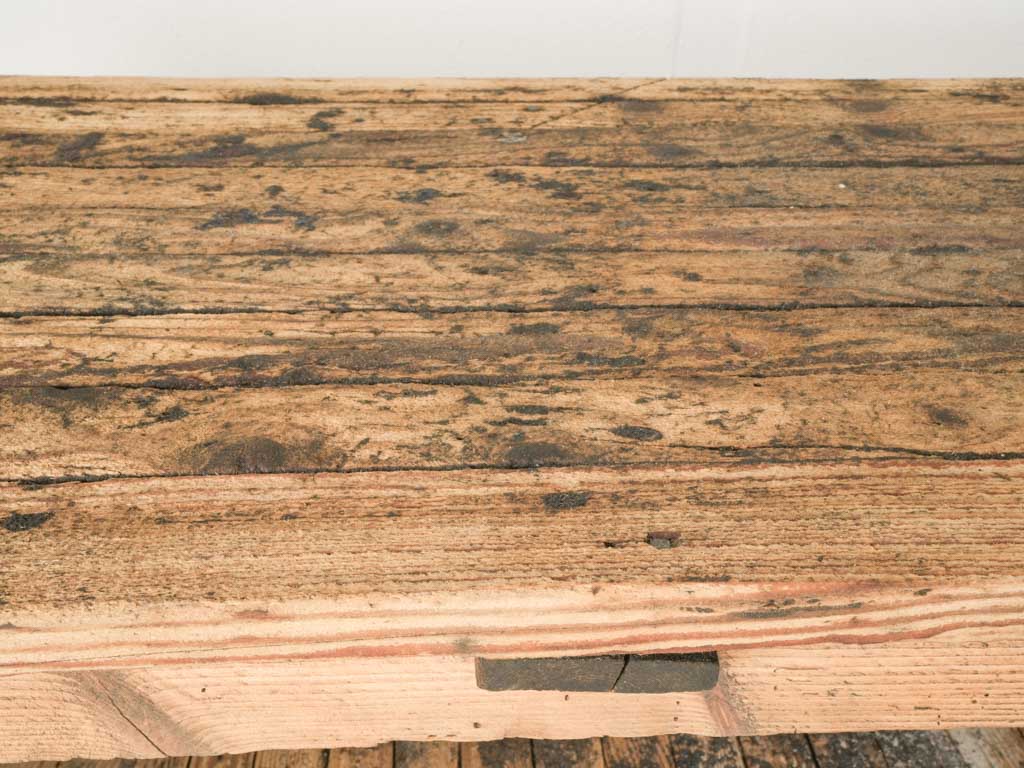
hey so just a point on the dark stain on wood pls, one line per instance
(272, 99)
(637, 433)
(566, 500)
(663, 539)
(17, 522)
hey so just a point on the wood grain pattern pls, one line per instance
(312, 392)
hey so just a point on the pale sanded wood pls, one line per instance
(882, 686)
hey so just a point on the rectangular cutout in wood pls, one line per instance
(618, 673)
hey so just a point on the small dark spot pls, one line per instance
(821, 274)
(290, 516)
(274, 190)
(938, 250)
(268, 99)
(566, 499)
(992, 98)
(663, 539)
(670, 151)
(232, 218)
(318, 122)
(254, 454)
(174, 413)
(626, 361)
(210, 187)
(614, 544)
(692, 277)
(507, 177)
(304, 221)
(947, 417)
(71, 151)
(534, 329)
(471, 399)
(421, 196)
(535, 455)
(535, 410)
(892, 132)
(647, 186)
(637, 433)
(562, 190)
(436, 227)
(922, 592)
(16, 522)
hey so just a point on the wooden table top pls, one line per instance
(390, 369)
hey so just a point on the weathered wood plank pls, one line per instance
(357, 699)
(788, 750)
(278, 91)
(691, 751)
(482, 348)
(223, 761)
(650, 752)
(908, 749)
(990, 747)
(568, 753)
(454, 134)
(846, 750)
(503, 753)
(273, 91)
(381, 756)
(426, 754)
(110, 431)
(507, 370)
(286, 281)
(469, 193)
(708, 229)
(298, 758)
(896, 549)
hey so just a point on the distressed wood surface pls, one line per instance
(313, 392)
(973, 748)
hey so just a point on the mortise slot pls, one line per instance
(617, 673)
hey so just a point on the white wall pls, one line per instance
(657, 38)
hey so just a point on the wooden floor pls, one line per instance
(314, 394)
(966, 748)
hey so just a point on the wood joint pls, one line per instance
(619, 673)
